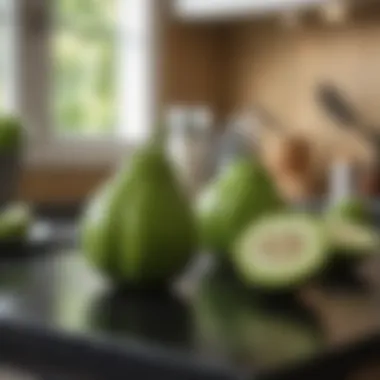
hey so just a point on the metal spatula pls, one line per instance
(339, 108)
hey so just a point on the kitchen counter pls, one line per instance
(59, 316)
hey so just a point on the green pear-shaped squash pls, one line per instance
(97, 233)
(242, 194)
(139, 228)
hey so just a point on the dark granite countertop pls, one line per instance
(59, 316)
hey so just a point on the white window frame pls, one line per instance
(10, 70)
(35, 86)
(232, 9)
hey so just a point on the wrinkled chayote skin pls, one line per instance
(139, 228)
(242, 194)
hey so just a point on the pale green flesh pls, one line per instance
(15, 221)
(355, 237)
(281, 250)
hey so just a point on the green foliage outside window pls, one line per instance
(84, 47)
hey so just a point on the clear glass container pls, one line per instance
(191, 144)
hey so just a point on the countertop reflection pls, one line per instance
(218, 320)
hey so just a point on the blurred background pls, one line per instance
(295, 83)
(91, 78)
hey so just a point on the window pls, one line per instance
(85, 46)
(7, 56)
(92, 68)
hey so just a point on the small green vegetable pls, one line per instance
(240, 196)
(15, 221)
(10, 133)
(139, 228)
(281, 251)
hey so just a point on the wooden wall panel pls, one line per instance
(237, 66)
(47, 185)
(193, 64)
(280, 67)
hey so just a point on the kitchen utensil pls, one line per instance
(269, 121)
(343, 181)
(339, 108)
(235, 141)
(191, 144)
(289, 157)
(202, 149)
(243, 133)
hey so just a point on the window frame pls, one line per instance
(35, 77)
(11, 70)
(201, 10)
